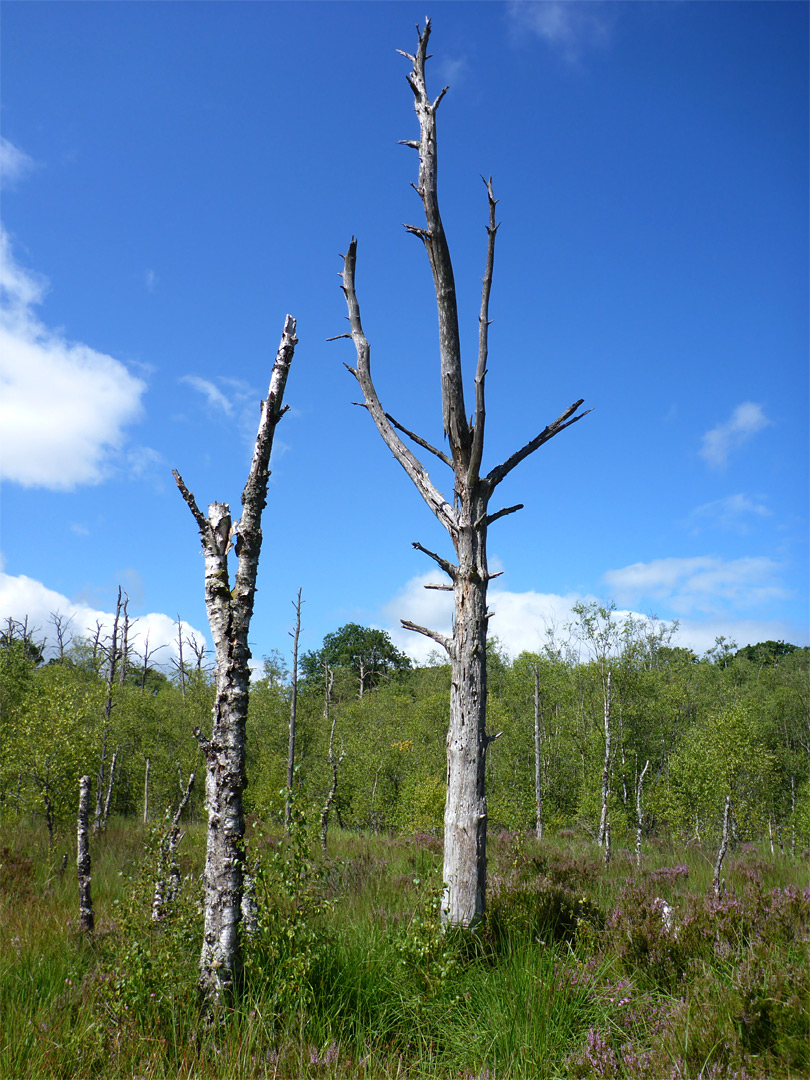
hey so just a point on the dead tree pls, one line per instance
(293, 714)
(538, 758)
(639, 810)
(86, 921)
(113, 658)
(334, 763)
(229, 615)
(168, 875)
(466, 517)
(146, 791)
(717, 883)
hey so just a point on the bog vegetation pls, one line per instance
(595, 959)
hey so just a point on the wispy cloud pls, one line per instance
(732, 514)
(705, 583)
(64, 407)
(569, 26)
(216, 399)
(150, 280)
(746, 421)
(14, 163)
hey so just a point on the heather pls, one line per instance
(576, 972)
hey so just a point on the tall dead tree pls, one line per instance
(86, 921)
(229, 615)
(466, 517)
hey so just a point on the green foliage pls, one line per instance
(290, 941)
(368, 653)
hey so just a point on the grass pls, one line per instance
(575, 974)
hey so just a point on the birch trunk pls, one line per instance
(98, 817)
(639, 811)
(146, 792)
(538, 760)
(605, 765)
(293, 715)
(466, 518)
(717, 884)
(86, 921)
(229, 615)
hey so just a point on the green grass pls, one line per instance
(573, 976)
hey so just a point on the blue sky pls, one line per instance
(179, 176)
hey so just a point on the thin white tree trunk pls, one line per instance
(168, 876)
(293, 714)
(606, 763)
(229, 615)
(334, 763)
(86, 920)
(538, 760)
(717, 883)
(146, 792)
(640, 812)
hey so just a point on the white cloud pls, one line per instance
(708, 590)
(63, 406)
(22, 597)
(570, 26)
(150, 280)
(705, 583)
(216, 399)
(14, 163)
(746, 420)
(733, 513)
(520, 620)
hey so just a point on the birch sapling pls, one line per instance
(466, 517)
(229, 614)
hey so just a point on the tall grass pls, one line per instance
(575, 974)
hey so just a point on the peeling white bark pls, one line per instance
(83, 866)
(229, 614)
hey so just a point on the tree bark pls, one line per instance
(717, 884)
(229, 615)
(293, 715)
(112, 667)
(146, 792)
(466, 518)
(639, 811)
(606, 763)
(168, 876)
(538, 760)
(86, 921)
(334, 764)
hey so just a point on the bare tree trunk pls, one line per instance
(168, 879)
(606, 765)
(639, 811)
(466, 519)
(229, 615)
(770, 832)
(538, 759)
(717, 884)
(86, 921)
(608, 851)
(146, 792)
(179, 663)
(334, 764)
(112, 667)
(124, 665)
(293, 711)
(106, 813)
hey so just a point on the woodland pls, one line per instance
(588, 861)
(629, 959)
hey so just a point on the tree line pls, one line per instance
(734, 722)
